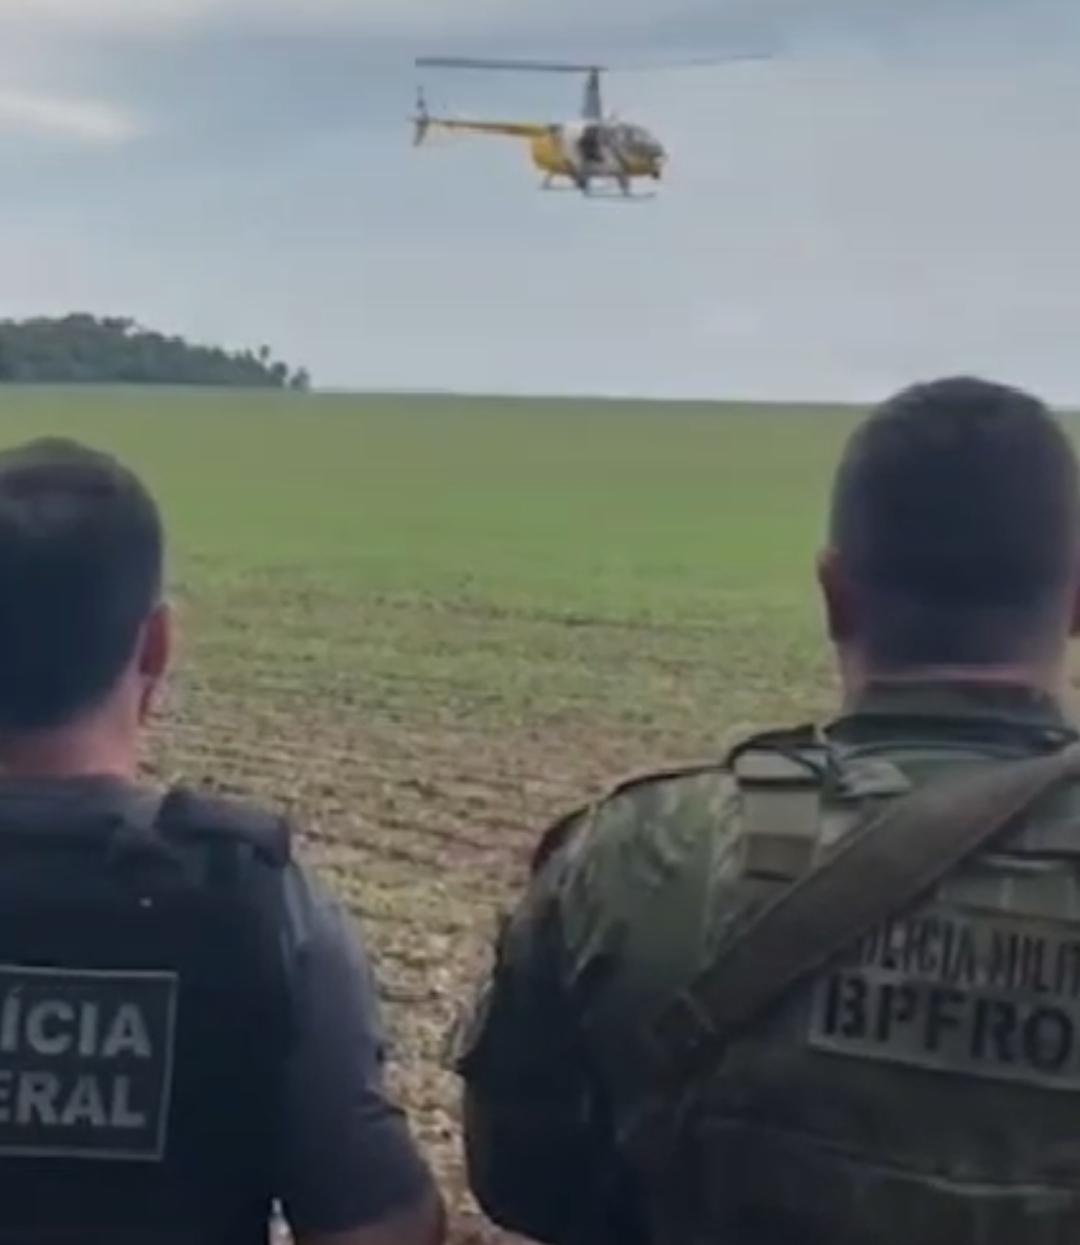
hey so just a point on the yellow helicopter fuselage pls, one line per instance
(552, 147)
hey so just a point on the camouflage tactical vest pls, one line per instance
(926, 1090)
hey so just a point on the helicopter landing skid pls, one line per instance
(590, 192)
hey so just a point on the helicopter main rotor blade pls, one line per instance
(715, 60)
(465, 62)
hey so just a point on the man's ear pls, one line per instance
(155, 654)
(836, 596)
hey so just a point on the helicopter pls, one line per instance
(592, 150)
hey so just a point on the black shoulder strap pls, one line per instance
(881, 868)
(244, 850)
(186, 830)
(192, 815)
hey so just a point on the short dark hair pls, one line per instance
(81, 565)
(955, 515)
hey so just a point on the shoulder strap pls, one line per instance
(882, 867)
(198, 835)
(244, 851)
(197, 816)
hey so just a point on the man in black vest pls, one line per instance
(189, 1029)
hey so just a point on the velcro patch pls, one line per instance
(86, 1062)
(955, 990)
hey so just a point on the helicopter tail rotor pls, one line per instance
(421, 119)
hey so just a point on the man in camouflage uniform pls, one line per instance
(925, 1088)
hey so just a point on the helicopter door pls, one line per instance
(590, 146)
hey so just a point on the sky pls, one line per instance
(869, 192)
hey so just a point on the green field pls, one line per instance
(428, 625)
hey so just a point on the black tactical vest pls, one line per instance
(144, 1018)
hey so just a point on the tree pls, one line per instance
(84, 349)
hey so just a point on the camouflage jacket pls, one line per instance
(628, 899)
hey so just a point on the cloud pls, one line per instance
(102, 18)
(49, 52)
(111, 20)
(82, 119)
(608, 22)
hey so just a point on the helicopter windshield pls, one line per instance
(640, 139)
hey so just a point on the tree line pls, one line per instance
(86, 349)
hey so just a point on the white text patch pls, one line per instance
(86, 1062)
(959, 991)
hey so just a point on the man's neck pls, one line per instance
(67, 754)
(1047, 681)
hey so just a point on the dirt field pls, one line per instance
(427, 627)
